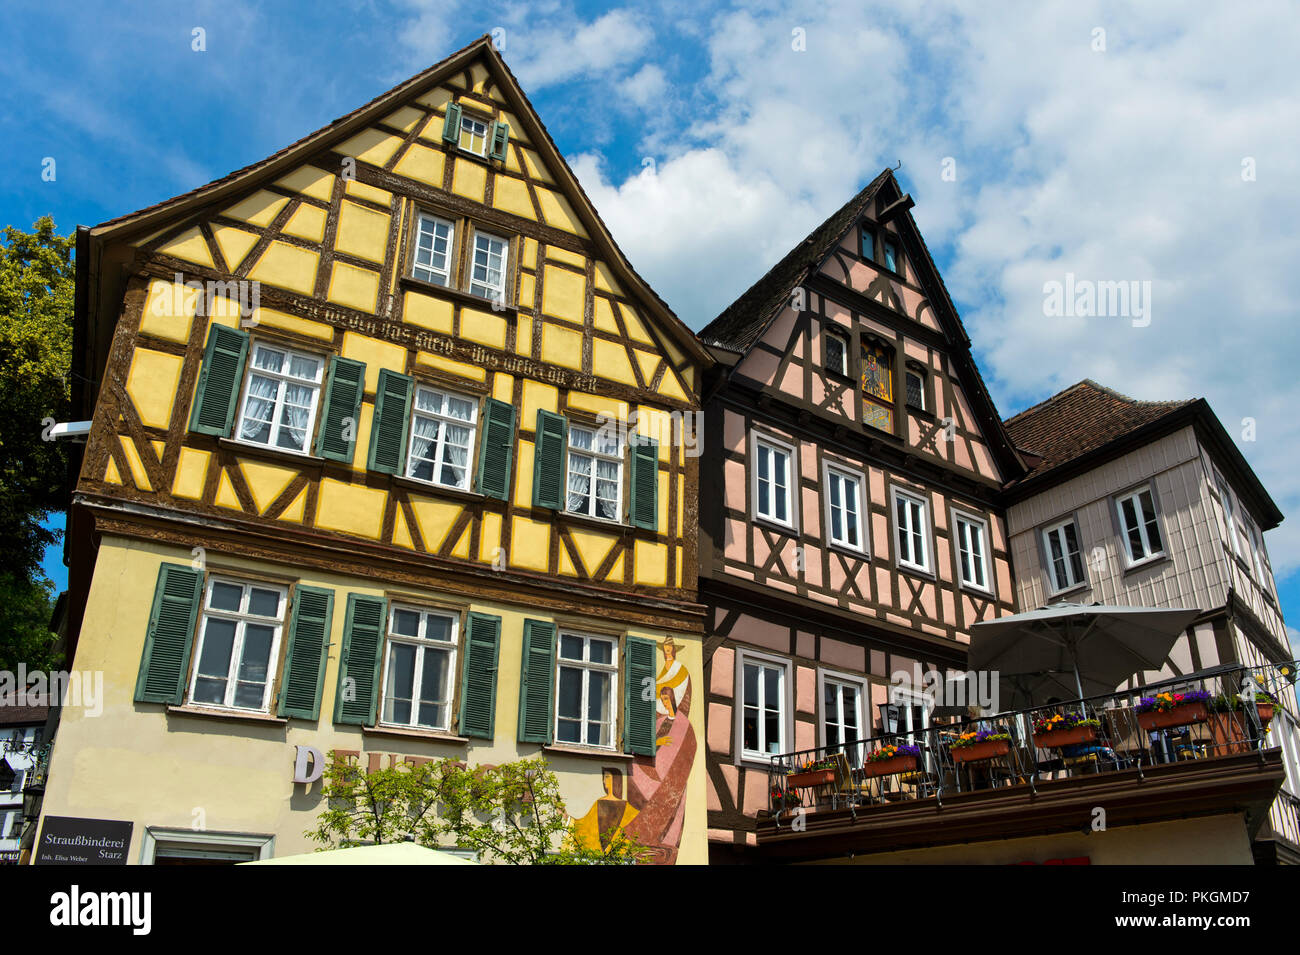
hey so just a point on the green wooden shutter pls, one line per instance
(500, 136)
(347, 382)
(498, 449)
(451, 125)
(639, 713)
(304, 667)
(478, 689)
(536, 683)
(218, 387)
(363, 639)
(166, 658)
(392, 419)
(645, 484)
(548, 460)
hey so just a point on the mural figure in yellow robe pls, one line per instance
(608, 815)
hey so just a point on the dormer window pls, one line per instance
(473, 134)
(837, 353)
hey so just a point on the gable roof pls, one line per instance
(1088, 424)
(743, 322)
(151, 218)
(1082, 418)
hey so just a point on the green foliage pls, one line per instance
(25, 637)
(510, 814)
(36, 304)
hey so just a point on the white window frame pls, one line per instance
(593, 455)
(440, 446)
(284, 379)
(469, 124)
(422, 643)
(1148, 554)
(923, 532)
(843, 339)
(433, 274)
(262, 845)
(785, 716)
(587, 667)
(1056, 587)
(865, 730)
(830, 472)
(1229, 514)
(961, 541)
(494, 293)
(1263, 571)
(242, 618)
(759, 442)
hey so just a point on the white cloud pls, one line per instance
(559, 49)
(1122, 164)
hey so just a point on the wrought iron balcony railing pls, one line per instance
(1226, 711)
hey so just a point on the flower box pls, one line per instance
(888, 767)
(1185, 714)
(814, 777)
(1265, 711)
(979, 752)
(1055, 739)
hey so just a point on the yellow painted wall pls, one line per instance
(138, 762)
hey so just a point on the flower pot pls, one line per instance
(888, 767)
(814, 777)
(978, 753)
(1185, 714)
(1265, 711)
(1055, 739)
(1228, 734)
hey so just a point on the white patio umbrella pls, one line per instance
(1099, 646)
(393, 853)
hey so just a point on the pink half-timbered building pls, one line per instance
(849, 519)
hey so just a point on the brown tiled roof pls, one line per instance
(744, 320)
(21, 715)
(1082, 418)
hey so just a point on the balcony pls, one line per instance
(1169, 750)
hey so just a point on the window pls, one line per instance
(844, 508)
(972, 549)
(473, 134)
(772, 482)
(842, 716)
(868, 243)
(912, 527)
(762, 707)
(837, 353)
(1065, 563)
(595, 457)
(1137, 518)
(442, 438)
(17, 785)
(434, 238)
(891, 258)
(1229, 516)
(587, 682)
(1256, 539)
(280, 398)
(915, 378)
(421, 659)
(185, 846)
(878, 385)
(488, 268)
(239, 638)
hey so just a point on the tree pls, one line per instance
(25, 637)
(36, 304)
(511, 813)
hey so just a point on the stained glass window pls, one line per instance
(878, 386)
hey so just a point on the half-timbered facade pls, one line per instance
(389, 457)
(849, 524)
(1150, 503)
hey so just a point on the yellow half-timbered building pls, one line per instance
(392, 455)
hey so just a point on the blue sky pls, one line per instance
(1152, 142)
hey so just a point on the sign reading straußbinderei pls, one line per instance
(66, 840)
